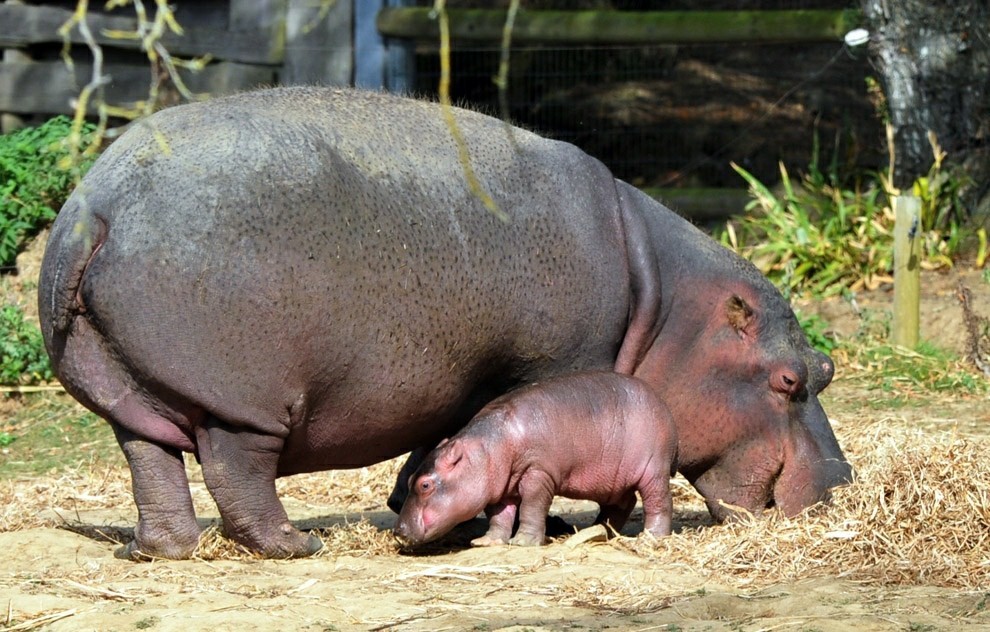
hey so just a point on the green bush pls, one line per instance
(34, 181)
(23, 359)
(823, 238)
(817, 237)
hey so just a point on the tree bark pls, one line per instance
(933, 59)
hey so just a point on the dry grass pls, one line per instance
(919, 513)
(30, 502)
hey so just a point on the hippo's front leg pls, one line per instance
(239, 468)
(501, 519)
(166, 526)
(536, 491)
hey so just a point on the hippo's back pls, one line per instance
(320, 250)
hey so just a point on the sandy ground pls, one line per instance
(55, 573)
(58, 572)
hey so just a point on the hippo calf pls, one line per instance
(592, 436)
(300, 279)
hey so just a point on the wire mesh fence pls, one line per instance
(678, 115)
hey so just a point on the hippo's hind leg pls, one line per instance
(658, 506)
(239, 468)
(166, 526)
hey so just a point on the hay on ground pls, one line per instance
(919, 513)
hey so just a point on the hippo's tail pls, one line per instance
(77, 235)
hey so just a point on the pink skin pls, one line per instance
(596, 436)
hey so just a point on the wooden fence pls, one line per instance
(250, 42)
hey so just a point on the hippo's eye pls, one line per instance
(425, 485)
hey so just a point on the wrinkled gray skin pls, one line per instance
(300, 279)
(593, 436)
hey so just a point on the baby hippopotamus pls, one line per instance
(597, 436)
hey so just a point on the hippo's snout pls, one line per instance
(404, 534)
(401, 536)
(411, 528)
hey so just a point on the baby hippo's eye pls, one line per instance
(425, 485)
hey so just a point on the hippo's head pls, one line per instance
(743, 384)
(448, 488)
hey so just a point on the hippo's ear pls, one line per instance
(450, 456)
(740, 315)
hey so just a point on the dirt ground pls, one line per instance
(58, 572)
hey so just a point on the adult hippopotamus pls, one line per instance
(299, 279)
(595, 435)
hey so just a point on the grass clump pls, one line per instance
(48, 432)
(23, 359)
(924, 369)
(36, 176)
(815, 239)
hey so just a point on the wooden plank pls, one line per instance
(319, 46)
(904, 330)
(625, 27)
(259, 15)
(27, 24)
(50, 87)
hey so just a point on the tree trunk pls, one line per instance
(933, 59)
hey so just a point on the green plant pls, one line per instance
(827, 234)
(50, 432)
(35, 178)
(818, 238)
(816, 329)
(912, 373)
(23, 359)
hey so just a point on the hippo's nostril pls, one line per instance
(787, 381)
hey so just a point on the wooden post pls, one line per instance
(907, 270)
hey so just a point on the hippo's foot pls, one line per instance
(146, 550)
(284, 542)
(239, 468)
(527, 539)
(489, 540)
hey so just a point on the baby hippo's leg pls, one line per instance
(501, 518)
(536, 490)
(658, 507)
(615, 516)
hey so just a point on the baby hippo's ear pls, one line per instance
(451, 453)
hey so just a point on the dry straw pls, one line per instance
(919, 513)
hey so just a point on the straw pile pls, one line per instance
(919, 513)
